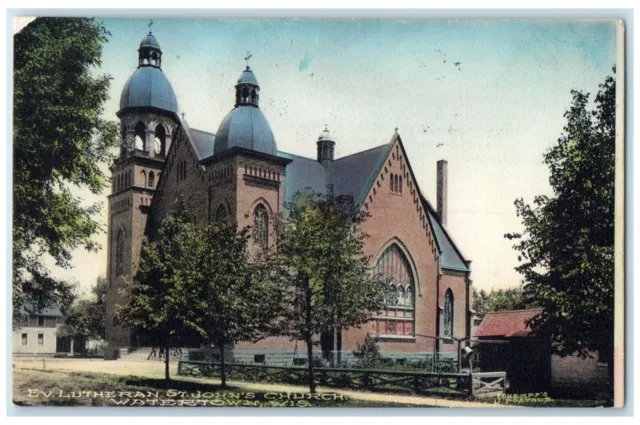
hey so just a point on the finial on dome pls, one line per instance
(149, 25)
(247, 57)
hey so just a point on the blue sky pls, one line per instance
(494, 114)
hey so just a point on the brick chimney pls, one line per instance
(442, 191)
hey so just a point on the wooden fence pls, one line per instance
(427, 383)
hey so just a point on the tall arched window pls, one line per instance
(261, 225)
(152, 179)
(448, 313)
(400, 184)
(398, 315)
(130, 178)
(143, 175)
(120, 253)
(221, 213)
(391, 183)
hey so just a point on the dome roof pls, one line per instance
(246, 127)
(325, 135)
(248, 77)
(150, 41)
(148, 87)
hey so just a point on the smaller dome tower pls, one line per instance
(326, 147)
(246, 126)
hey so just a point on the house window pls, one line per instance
(391, 182)
(448, 313)
(25, 339)
(40, 339)
(397, 318)
(261, 226)
(152, 179)
(120, 253)
(258, 358)
(41, 321)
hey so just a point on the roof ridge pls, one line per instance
(360, 152)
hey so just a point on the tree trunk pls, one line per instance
(312, 382)
(223, 374)
(166, 363)
(339, 346)
(307, 337)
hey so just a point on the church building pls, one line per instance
(238, 173)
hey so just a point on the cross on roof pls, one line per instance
(249, 56)
(150, 24)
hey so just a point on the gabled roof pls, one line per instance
(354, 174)
(47, 311)
(506, 324)
(203, 142)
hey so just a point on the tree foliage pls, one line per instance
(86, 317)
(200, 286)
(242, 298)
(320, 246)
(60, 141)
(163, 298)
(567, 248)
(484, 302)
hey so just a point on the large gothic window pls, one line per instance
(397, 318)
(120, 253)
(261, 225)
(448, 313)
(152, 179)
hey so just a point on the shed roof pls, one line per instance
(506, 324)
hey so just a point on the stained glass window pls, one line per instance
(398, 317)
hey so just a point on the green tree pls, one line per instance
(567, 248)
(86, 317)
(368, 354)
(59, 141)
(320, 246)
(242, 299)
(499, 300)
(164, 297)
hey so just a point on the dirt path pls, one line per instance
(155, 369)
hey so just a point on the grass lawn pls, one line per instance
(65, 388)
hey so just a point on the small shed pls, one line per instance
(505, 343)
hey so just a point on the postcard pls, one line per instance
(326, 213)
